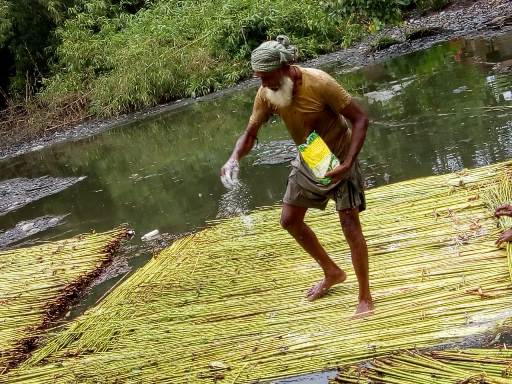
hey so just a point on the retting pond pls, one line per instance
(432, 112)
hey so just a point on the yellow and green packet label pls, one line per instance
(318, 157)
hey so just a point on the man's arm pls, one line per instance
(244, 144)
(504, 210)
(359, 122)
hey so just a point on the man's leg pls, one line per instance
(292, 219)
(353, 232)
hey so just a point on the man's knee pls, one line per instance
(290, 222)
(350, 219)
(292, 217)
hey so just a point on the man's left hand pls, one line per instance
(504, 237)
(339, 172)
(503, 210)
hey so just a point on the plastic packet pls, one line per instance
(318, 157)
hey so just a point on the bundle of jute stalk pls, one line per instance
(497, 195)
(473, 366)
(38, 283)
(229, 301)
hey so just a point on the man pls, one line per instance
(311, 100)
(504, 210)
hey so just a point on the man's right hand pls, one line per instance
(504, 237)
(229, 173)
(503, 210)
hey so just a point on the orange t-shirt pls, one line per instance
(316, 106)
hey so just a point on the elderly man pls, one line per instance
(310, 100)
(504, 210)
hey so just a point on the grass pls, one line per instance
(169, 51)
(384, 42)
(229, 301)
(36, 117)
(110, 62)
(38, 283)
(420, 33)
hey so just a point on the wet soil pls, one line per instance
(28, 228)
(18, 192)
(461, 19)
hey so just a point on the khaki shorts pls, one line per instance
(349, 193)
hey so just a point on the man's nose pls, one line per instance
(270, 84)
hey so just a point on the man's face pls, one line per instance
(278, 87)
(271, 80)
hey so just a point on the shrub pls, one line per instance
(434, 5)
(174, 49)
(130, 54)
(365, 10)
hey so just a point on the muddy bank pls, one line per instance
(16, 193)
(27, 228)
(462, 19)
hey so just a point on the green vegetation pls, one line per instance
(177, 49)
(434, 5)
(384, 42)
(116, 56)
(27, 42)
(423, 32)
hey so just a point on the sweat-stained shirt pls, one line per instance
(316, 106)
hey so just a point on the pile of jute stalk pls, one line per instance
(229, 301)
(473, 366)
(38, 283)
(501, 193)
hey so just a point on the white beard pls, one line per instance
(281, 98)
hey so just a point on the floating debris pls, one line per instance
(461, 89)
(154, 234)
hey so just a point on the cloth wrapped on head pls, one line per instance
(271, 55)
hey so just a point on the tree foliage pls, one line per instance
(128, 54)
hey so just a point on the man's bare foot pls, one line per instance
(364, 309)
(320, 289)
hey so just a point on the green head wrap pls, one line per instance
(271, 55)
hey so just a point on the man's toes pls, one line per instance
(317, 292)
(313, 292)
(315, 287)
